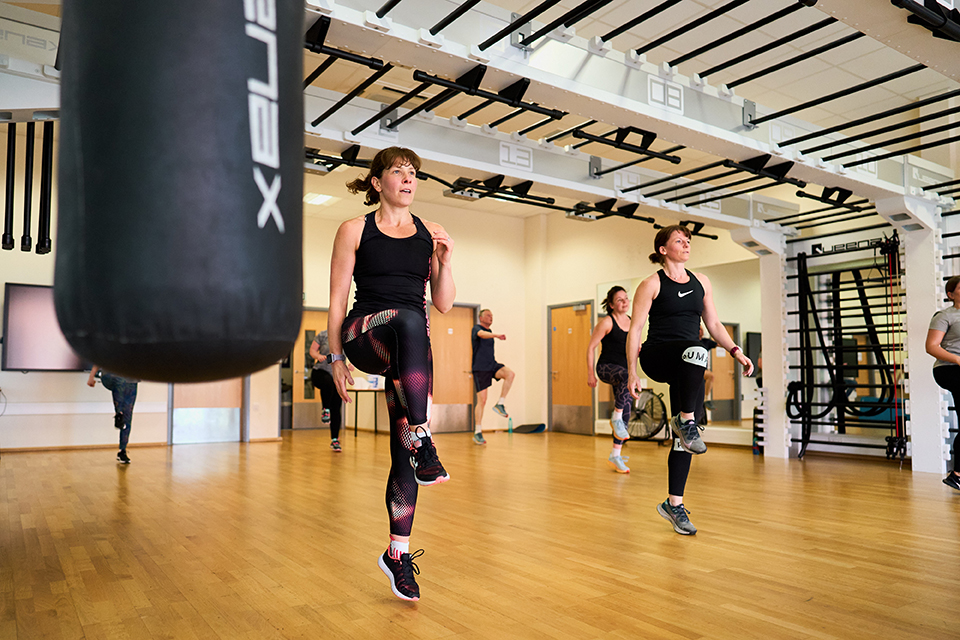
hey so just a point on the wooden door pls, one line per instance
(452, 358)
(726, 383)
(307, 407)
(207, 411)
(571, 399)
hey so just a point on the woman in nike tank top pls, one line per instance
(611, 334)
(391, 255)
(675, 301)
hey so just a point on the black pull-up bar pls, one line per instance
(456, 13)
(932, 17)
(44, 245)
(837, 220)
(360, 88)
(11, 181)
(948, 183)
(519, 22)
(660, 8)
(796, 35)
(427, 105)
(644, 185)
(693, 183)
(902, 152)
(568, 19)
(871, 118)
(826, 198)
(750, 28)
(713, 189)
(620, 143)
(537, 125)
(834, 214)
(882, 130)
(586, 142)
(570, 131)
(690, 26)
(863, 86)
(898, 140)
(797, 59)
(316, 73)
(26, 241)
(604, 172)
(457, 85)
(397, 103)
(387, 7)
(821, 210)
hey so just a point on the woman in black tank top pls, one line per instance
(612, 367)
(391, 255)
(675, 301)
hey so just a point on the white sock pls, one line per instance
(617, 448)
(416, 434)
(478, 429)
(396, 548)
(618, 414)
(501, 401)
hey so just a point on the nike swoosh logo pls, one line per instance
(680, 295)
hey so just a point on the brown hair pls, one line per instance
(608, 301)
(381, 162)
(952, 284)
(663, 236)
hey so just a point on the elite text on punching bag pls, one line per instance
(179, 255)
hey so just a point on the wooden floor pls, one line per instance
(534, 537)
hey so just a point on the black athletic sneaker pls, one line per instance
(118, 421)
(677, 516)
(426, 465)
(952, 481)
(401, 573)
(688, 433)
(123, 457)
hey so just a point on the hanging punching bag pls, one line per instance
(179, 243)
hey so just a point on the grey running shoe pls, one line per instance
(478, 438)
(952, 481)
(677, 516)
(688, 433)
(620, 429)
(500, 410)
(617, 463)
(708, 404)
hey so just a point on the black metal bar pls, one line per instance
(8, 242)
(738, 193)
(693, 183)
(753, 53)
(767, 172)
(810, 196)
(903, 152)
(626, 26)
(626, 146)
(475, 109)
(26, 241)
(387, 7)
(315, 37)
(519, 22)
(935, 20)
(820, 210)
(420, 76)
(948, 183)
(586, 142)
(891, 141)
(713, 189)
(838, 373)
(881, 131)
(836, 220)
(435, 101)
(796, 59)
(644, 185)
(871, 118)
(360, 88)
(396, 104)
(835, 214)
(532, 127)
(456, 13)
(570, 131)
(730, 37)
(948, 192)
(679, 147)
(836, 233)
(316, 73)
(572, 16)
(46, 185)
(863, 86)
(843, 444)
(509, 116)
(690, 26)
(947, 214)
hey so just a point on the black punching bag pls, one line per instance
(179, 243)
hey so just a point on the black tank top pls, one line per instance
(613, 346)
(391, 273)
(675, 312)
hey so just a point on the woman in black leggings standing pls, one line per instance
(391, 255)
(943, 343)
(675, 300)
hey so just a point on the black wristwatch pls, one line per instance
(334, 357)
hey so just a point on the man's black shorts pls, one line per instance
(483, 379)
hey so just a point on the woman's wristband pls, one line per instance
(733, 352)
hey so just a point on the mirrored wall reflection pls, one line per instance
(308, 390)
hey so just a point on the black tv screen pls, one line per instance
(32, 340)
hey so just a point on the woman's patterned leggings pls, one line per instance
(396, 344)
(616, 376)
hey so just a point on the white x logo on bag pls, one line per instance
(269, 208)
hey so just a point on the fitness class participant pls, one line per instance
(943, 343)
(124, 393)
(612, 367)
(486, 369)
(391, 255)
(322, 379)
(675, 300)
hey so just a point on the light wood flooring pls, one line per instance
(534, 537)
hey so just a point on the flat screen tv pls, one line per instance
(32, 340)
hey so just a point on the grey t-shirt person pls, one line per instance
(948, 321)
(324, 344)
